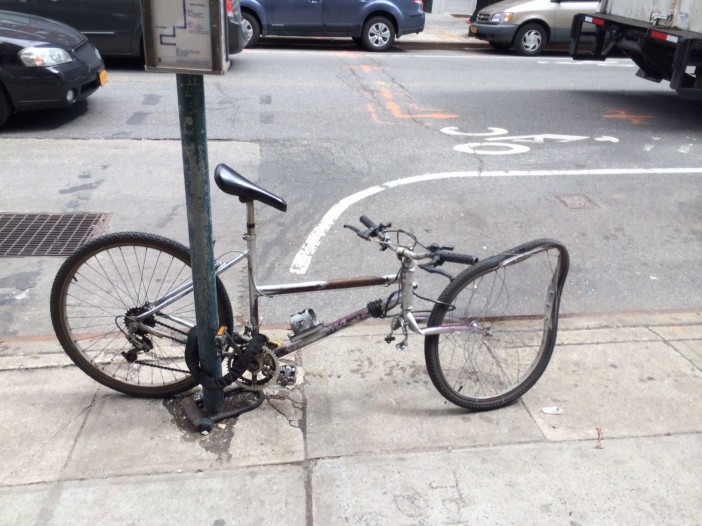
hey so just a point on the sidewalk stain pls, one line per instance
(82, 187)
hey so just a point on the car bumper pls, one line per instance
(236, 35)
(54, 87)
(415, 24)
(499, 33)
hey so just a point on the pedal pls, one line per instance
(287, 375)
(390, 339)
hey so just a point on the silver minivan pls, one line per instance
(528, 25)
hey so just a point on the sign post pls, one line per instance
(188, 37)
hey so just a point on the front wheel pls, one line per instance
(101, 290)
(378, 34)
(530, 40)
(499, 322)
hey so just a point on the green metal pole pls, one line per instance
(193, 133)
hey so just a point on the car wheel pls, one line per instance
(500, 46)
(252, 29)
(530, 40)
(378, 34)
(5, 106)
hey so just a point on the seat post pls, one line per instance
(250, 238)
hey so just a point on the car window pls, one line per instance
(114, 26)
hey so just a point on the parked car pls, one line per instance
(44, 64)
(374, 23)
(114, 26)
(528, 25)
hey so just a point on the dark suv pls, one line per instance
(113, 26)
(373, 23)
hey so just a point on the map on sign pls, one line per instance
(182, 34)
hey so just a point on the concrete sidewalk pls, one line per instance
(363, 438)
(442, 31)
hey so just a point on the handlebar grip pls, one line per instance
(367, 222)
(458, 258)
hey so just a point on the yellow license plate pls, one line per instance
(103, 77)
(473, 29)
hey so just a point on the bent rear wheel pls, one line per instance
(97, 295)
(505, 314)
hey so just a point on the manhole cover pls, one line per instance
(47, 234)
(577, 201)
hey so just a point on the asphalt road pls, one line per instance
(478, 149)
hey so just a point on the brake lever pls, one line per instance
(374, 231)
(430, 268)
(364, 235)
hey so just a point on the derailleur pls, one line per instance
(398, 323)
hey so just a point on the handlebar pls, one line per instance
(372, 230)
(438, 254)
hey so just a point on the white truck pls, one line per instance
(663, 38)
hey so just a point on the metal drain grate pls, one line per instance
(47, 234)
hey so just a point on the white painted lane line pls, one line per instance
(303, 258)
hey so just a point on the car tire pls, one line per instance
(531, 40)
(500, 46)
(5, 106)
(252, 29)
(378, 34)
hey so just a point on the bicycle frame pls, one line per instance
(404, 297)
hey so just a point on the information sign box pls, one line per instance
(185, 36)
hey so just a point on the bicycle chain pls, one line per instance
(248, 387)
(161, 367)
(174, 329)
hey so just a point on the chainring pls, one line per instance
(264, 368)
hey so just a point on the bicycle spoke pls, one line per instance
(100, 300)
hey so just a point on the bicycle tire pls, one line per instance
(115, 276)
(512, 326)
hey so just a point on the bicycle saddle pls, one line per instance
(230, 182)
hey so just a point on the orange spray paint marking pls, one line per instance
(398, 114)
(622, 115)
(367, 69)
(374, 114)
(386, 93)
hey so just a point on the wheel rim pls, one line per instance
(379, 34)
(102, 295)
(511, 330)
(248, 31)
(531, 41)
